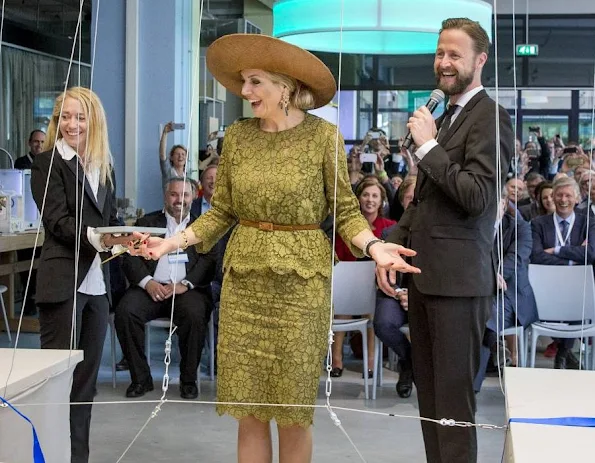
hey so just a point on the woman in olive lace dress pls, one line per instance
(276, 180)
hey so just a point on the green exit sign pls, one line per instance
(527, 50)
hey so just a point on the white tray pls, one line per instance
(124, 229)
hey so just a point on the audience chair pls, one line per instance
(354, 293)
(3, 289)
(164, 323)
(565, 297)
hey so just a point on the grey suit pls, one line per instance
(450, 224)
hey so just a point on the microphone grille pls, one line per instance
(438, 95)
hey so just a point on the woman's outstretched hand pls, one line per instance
(389, 262)
(149, 247)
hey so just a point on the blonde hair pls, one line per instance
(300, 95)
(409, 180)
(97, 151)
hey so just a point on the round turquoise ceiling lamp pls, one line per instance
(376, 27)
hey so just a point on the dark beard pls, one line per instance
(460, 85)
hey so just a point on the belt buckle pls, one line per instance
(265, 226)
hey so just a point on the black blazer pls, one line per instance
(517, 245)
(544, 237)
(23, 162)
(55, 274)
(200, 268)
(450, 222)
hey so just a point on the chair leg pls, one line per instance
(148, 343)
(6, 325)
(380, 363)
(364, 332)
(377, 366)
(534, 337)
(522, 357)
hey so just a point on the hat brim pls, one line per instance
(231, 54)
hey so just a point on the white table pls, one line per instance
(39, 376)
(548, 393)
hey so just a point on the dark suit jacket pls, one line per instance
(530, 211)
(55, 274)
(544, 237)
(23, 162)
(517, 245)
(450, 222)
(200, 268)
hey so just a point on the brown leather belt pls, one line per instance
(268, 226)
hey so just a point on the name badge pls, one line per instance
(176, 258)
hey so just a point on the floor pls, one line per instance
(193, 432)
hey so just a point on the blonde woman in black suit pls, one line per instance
(77, 166)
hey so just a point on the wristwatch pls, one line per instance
(187, 284)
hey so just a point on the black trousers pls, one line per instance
(446, 336)
(191, 315)
(55, 322)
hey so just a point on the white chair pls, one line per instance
(560, 292)
(164, 323)
(354, 293)
(3, 289)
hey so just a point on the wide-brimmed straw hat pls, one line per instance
(231, 54)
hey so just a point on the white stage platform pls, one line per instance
(549, 393)
(39, 376)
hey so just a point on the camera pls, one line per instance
(180, 126)
(570, 150)
(534, 129)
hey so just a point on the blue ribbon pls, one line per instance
(573, 421)
(37, 453)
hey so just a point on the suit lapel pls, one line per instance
(421, 177)
(101, 196)
(79, 173)
(462, 116)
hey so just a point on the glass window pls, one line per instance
(506, 55)
(585, 130)
(506, 98)
(406, 70)
(585, 99)
(551, 125)
(394, 123)
(546, 99)
(356, 69)
(356, 113)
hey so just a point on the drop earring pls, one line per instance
(284, 103)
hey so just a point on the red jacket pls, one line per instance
(343, 251)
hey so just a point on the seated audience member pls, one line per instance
(176, 164)
(202, 204)
(586, 181)
(531, 181)
(403, 197)
(391, 313)
(517, 192)
(543, 202)
(36, 141)
(518, 306)
(371, 196)
(186, 274)
(563, 239)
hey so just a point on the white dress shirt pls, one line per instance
(167, 272)
(465, 98)
(94, 283)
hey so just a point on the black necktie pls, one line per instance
(445, 125)
(564, 231)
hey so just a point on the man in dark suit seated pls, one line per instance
(562, 238)
(188, 275)
(518, 307)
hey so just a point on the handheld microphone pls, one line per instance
(436, 98)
